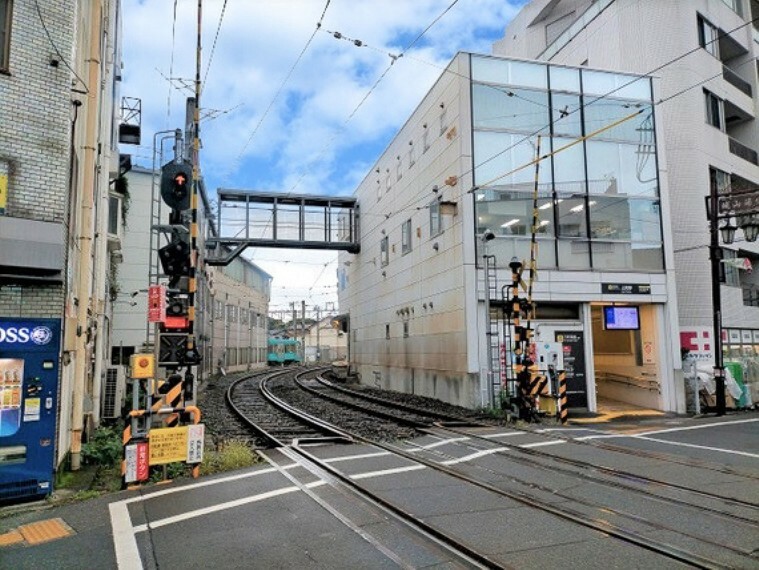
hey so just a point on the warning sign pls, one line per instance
(168, 445)
(185, 443)
(136, 457)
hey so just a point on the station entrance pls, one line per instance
(626, 357)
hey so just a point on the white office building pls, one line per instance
(462, 168)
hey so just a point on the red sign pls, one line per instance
(142, 462)
(157, 304)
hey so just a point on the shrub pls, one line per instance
(104, 448)
(233, 455)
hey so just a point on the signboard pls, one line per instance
(738, 204)
(29, 335)
(3, 193)
(625, 288)
(195, 437)
(573, 347)
(136, 457)
(169, 445)
(156, 303)
(648, 352)
(698, 343)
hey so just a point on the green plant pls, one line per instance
(231, 455)
(104, 448)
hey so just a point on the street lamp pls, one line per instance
(744, 206)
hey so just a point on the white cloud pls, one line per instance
(306, 142)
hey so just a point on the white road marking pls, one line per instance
(361, 456)
(693, 445)
(668, 430)
(438, 444)
(504, 434)
(482, 453)
(124, 543)
(222, 507)
(544, 443)
(371, 474)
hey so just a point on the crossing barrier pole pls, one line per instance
(563, 410)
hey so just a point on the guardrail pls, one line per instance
(742, 151)
(736, 80)
(646, 383)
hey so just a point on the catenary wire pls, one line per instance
(215, 39)
(55, 47)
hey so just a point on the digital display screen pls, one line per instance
(621, 318)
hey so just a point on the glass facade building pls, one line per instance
(598, 188)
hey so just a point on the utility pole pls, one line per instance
(303, 330)
(318, 327)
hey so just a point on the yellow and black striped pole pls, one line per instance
(563, 410)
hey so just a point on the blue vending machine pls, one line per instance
(29, 357)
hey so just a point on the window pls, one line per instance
(735, 5)
(443, 120)
(387, 331)
(114, 212)
(425, 140)
(411, 155)
(729, 274)
(384, 252)
(405, 329)
(714, 114)
(435, 225)
(398, 169)
(6, 9)
(406, 237)
(707, 36)
(387, 181)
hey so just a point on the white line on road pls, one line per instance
(693, 445)
(544, 443)
(438, 444)
(668, 430)
(370, 474)
(124, 543)
(482, 453)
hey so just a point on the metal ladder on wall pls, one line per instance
(493, 332)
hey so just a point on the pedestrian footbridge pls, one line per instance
(258, 219)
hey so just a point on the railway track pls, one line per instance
(645, 521)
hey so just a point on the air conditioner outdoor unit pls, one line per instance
(113, 392)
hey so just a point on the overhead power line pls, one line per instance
(55, 47)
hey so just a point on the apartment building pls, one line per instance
(450, 204)
(704, 56)
(58, 164)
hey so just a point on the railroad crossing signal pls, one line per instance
(176, 178)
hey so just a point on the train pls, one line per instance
(283, 351)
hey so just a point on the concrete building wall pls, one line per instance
(409, 317)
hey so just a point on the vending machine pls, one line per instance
(29, 360)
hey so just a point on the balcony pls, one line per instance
(736, 81)
(742, 151)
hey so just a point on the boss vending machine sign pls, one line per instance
(29, 357)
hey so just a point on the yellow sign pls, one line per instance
(167, 445)
(142, 365)
(3, 193)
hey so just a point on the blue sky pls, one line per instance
(315, 136)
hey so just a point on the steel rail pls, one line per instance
(622, 474)
(628, 536)
(616, 511)
(448, 418)
(335, 435)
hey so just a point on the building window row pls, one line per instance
(412, 155)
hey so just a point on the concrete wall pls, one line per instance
(424, 289)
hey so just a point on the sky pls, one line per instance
(288, 107)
